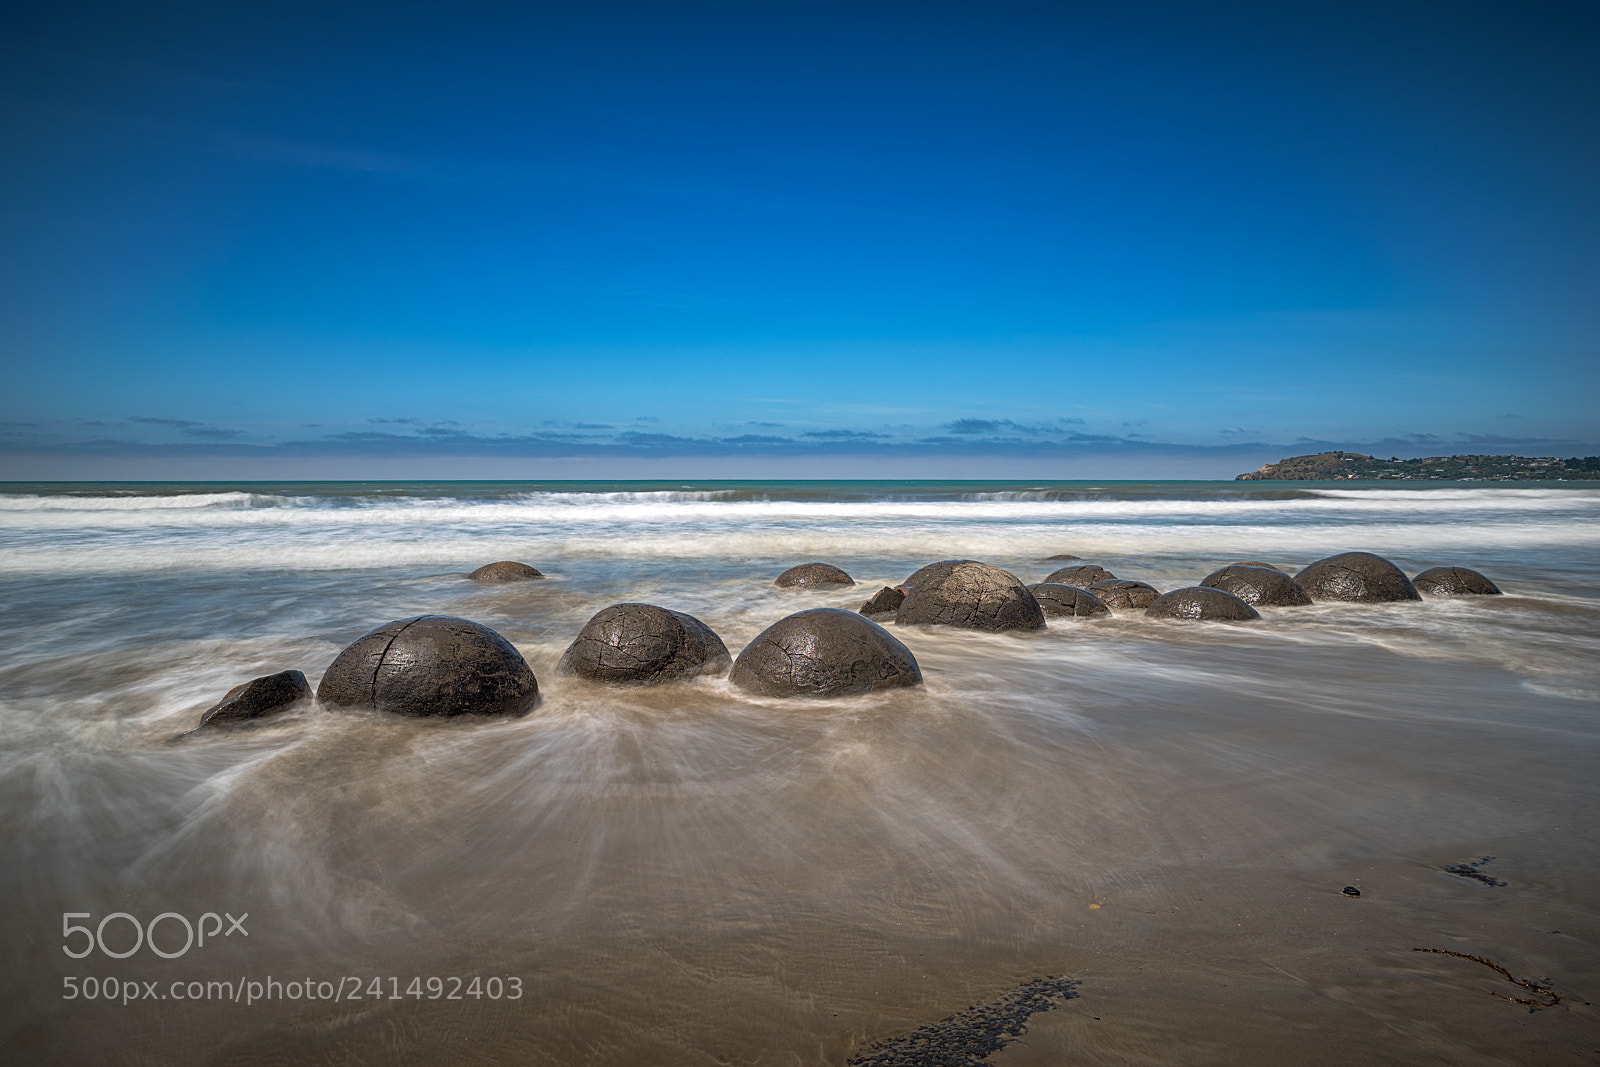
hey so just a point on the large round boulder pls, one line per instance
(1082, 576)
(1059, 601)
(931, 571)
(1201, 603)
(885, 602)
(504, 571)
(1125, 594)
(1454, 581)
(1360, 577)
(813, 576)
(824, 652)
(641, 644)
(431, 665)
(973, 596)
(1258, 585)
(1252, 563)
(258, 698)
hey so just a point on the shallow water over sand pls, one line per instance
(1164, 811)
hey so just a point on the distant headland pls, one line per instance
(1355, 466)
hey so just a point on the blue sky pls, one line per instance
(478, 240)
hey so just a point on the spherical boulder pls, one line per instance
(813, 576)
(1058, 600)
(1082, 576)
(1454, 581)
(1258, 585)
(1124, 594)
(1359, 577)
(1201, 603)
(931, 571)
(431, 665)
(504, 571)
(824, 652)
(885, 601)
(641, 644)
(257, 698)
(1253, 563)
(973, 596)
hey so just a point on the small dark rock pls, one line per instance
(1082, 576)
(885, 601)
(1350, 891)
(1454, 581)
(1258, 585)
(1359, 577)
(1061, 558)
(431, 665)
(641, 644)
(257, 698)
(1120, 594)
(504, 571)
(813, 576)
(1067, 600)
(824, 652)
(1200, 603)
(973, 596)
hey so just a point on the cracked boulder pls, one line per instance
(258, 698)
(504, 571)
(1359, 577)
(932, 571)
(1067, 601)
(431, 665)
(1258, 585)
(1082, 576)
(970, 595)
(884, 603)
(641, 644)
(1454, 581)
(824, 652)
(1125, 594)
(813, 576)
(1202, 604)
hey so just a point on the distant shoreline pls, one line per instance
(1359, 467)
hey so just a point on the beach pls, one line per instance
(1165, 813)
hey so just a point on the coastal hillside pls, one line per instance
(1355, 466)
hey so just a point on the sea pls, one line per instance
(1343, 833)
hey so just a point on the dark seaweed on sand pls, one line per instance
(968, 1037)
(1472, 871)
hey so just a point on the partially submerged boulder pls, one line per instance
(1201, 603)
(824, 652)
(258, 698)
(973, 596)
(431, 665)
(1082, 576)
(1061, 557)
(1125, 594)
(885, 602)
(813, 576)
(641, 644)
(1454, 581)
(1059, 601)
(1258, 585)
(504, 571)
(1358, 577)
